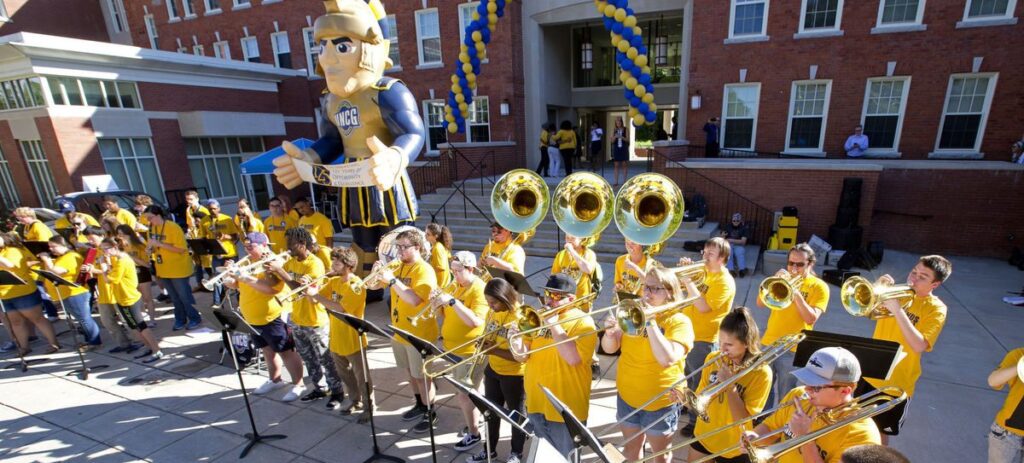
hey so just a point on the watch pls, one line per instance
(392, 281)
(451, 302)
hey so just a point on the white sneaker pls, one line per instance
(268, 386)
(293, 394)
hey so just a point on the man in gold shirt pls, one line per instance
(220, 227)
(564, 369)
(113, 210)
(809, 303)
(829, 379)
(318, 224)
(67, 221)
(916, 329)
(500, 252)
(194, 213)
(276, 224)
(630, 269)
(173, 265)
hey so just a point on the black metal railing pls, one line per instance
(457, 179)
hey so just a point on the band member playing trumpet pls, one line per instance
(173, 266)
(64, 262)
(258, 303)
(809, 303)
(650, 362)
(22, 304)
(411, 286)
(564, 370)
(503, 377)
(308, 320)
(119, 269)
(502, 252)
(277, 223)
(630, 269)
(440, 239)
(220, 227)
(345, 293)
(738, 339)
(1006, 437)
(828, 383)
(916, 329)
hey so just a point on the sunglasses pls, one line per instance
(796, 264)
(553, 295)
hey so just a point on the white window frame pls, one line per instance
(210, 9)
(172, 11)
(393, 47)
(151, 30)
(125, 160)
(747, 37)
(974, 152)
(245, 51)
(472, 6)
(836, 29)
(183, 50)
(116, 14)
(198, 50)
(426, 124)
(189, 8)
(902, 26)
(39, 171)
(18, 93)
(895, 150)
(1011, 6)
(471, 120)
(312, 49)
(222, 49)
(210, 159)
(240, 4)
(420, 38)
(725, 118)
(819, 150)
(9, 197)
(62, 98)
(274, 48)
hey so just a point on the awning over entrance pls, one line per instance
(264, 163)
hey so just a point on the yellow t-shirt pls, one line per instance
(1013, 399)
(214, 227)
(257, 308)
(640, 376)
(63, 222)
(787, 321)
(124, 217)
(753, 388)
(320, 227)
(439, 257)
(276, 227)
(454, 330)
(719, 296)
(324, 254)
(139, 251)
(514, 255)
(305, 311)
(143, 222)
(104, 291)
(502, 321)
(171, 264)
(831, 445)
(565, 263)
(37, 231)
(571, 384)
(19, 259)
(255, 225)
(72, 262)
(124, 283)
(345, 339)
(294, 215)
(544, 135)
(192, 222)
(419, 276)
(626, 277)
(566, 139)
(928, 314)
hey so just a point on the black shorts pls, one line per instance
(131, 315)
(143, 275)
(276, 334)
(890, 422)
(737, 459)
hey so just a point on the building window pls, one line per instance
(21, 93)
(132, 164)
(748, 18)
(808, 109)
(885, 102)
(433, 115)
(198, 50)
(172, 10)
(282, 51)
(8, 191)
(116, 15)
(739, 116)
(894, 12)
(821, 15)
(428, 36)
(189, 7)
(42, 178)
(312, 51)
(479, 122)
(664, 33)
(222, 50)
(393, 38)
(183, 50)
(250, 49)
(989, 9)
(69, 91)
(151, 30)
(212, 6)
(966, 111)
(466, 11)
(242, 4)
(214, 163)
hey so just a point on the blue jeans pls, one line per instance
(1004, 446)
(737, 259)
(184, 304)
(554, 432)
(49, 305)
(218, 289)
(77, 307)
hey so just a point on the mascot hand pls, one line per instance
(385, 164)
(285, 171)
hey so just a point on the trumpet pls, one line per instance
(432, 304)
(371, 279)
(298, 292)
(696, 272)
(633, 314)
(861, 298)
(240, 268)
(777, 291)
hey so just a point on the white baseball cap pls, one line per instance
(829, 365)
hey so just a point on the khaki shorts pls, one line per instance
(408, 358)
(461, 374)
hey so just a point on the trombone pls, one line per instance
(478, 353)
(861, 298)
(532, 323)
(241, 268)
(298, 292)
(633, 314)
(777, 291)
(371, 279)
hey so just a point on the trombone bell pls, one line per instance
(861, 298)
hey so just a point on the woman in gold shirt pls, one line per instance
(566, 140)
(440, 239)
(140, 255)
(650, 362)
(245, 220)
(21, 303)
(629, 268)
(65, 263)
(119, 269)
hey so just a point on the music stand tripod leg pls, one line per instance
(377, 455)
(254, 437)
(83, 372)
(17, 344)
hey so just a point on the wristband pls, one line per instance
(451, 302)
(392, 281)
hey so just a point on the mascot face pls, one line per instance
(348, 64)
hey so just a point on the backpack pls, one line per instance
(697, 208)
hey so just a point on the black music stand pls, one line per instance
(877, 357)
(57, 282)
(426, 349)
(227, 322)
(363, 327)
(518, 280)
(581, 436)
(8, 278)
(205, 246)
(37, 247)
(487, 409)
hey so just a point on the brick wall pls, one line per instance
(170, 154)
(80, 19)
(16, 163)
(164, 97)
(929, 57)
(72, 150)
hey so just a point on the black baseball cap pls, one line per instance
(560, 283)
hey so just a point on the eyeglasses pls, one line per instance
(796, 264)
(403, 247)
(654, 289)
(553, 295)
(817, 389)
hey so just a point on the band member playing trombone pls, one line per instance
(1006, 435)
(650, 362)
(411, 286)
(738, 340)
(630, 269)
(916, 328)
(258, 303)
(564, 369)
(809, 302)
(502, 252)
(829, 380)
(308, 320)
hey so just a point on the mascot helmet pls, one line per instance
(365, 20)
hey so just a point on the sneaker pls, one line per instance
(83, 348)
(464, 431)
(194, 324)
(268, 386)
(147, 353)
(119, 349)
(315, 394)
(215, 306)
(178, 326)
(428, 422)
(294, 393)
(163, 298)
(154, 357)
(743, 273)
(8, 346)
(54, 348)
(514, 458)
(414, 413)
(468, 441)
(482, 457)
(364, 417)
(595, 371)
(334, 402)
(132, 347)
(350, 407)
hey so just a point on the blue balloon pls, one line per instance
(629, 11)
(627, 33)
(642, 49)
(634, 101)
(469, 40)
(476, 68)
(651, 117)
(636, 71)
(486, 36)
(471, 51)
(481, 9)
(474, 26)
(649, 87)
(617, 28)
(619, 3)
(627, 65)
(463, 82)
(459, 72)
(501, 4)
(637, 41)
(459, 119)
(645, 79)
(500, 12)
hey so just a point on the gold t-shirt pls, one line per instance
(171, 264)
(72, 262)
(276, 227)
(345, 339)
(124, 283)
(454, 330)
(640, 376)
(320, 227)
(214, 227)
(419, 276)
(831, 445)
(257, 308)
(753, 389)
(571, 384)
(719, 296)
(626, 278)
(19, 259)
(928, 314)
(565, 263)
(37, 231)
(1013, 399)
(305, 311)
(788, 321)
(514, 255)
(502, 321)
(439, 258)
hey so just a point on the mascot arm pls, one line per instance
(398, 108)
(329, 146)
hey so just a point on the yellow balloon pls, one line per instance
(638, 119)
(455, 79)
(459, 97)
(452, 128)
(470, 78)
(480, 47)
(638, 31)
(449, 117)
(492, 19)
(456, 89)
(477, 36)
(609, 11)
(641, 61)
(463, 57)
(492, 7)
(653, 107)
(630, 21)
(467, 68)
(482, 54)
(632, 112)
(620, 14)
(464, 108)
(646, 70)
(623, 46)
(631, 83)
(616, 39)
(476, 16)
(639, 91)
(632, 53)
(647, 98)
(623, 76)
(463, 48)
